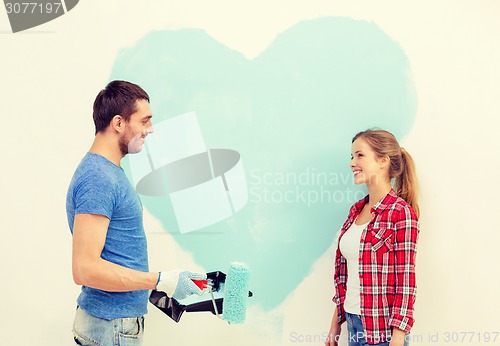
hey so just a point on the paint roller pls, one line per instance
(228, 295)
(234, 304)
(235, 290)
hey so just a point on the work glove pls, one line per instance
(178, 284)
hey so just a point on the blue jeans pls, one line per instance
(89, 330)
(356, 332)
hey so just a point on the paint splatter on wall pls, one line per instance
(290, 113)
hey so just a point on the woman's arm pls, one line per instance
(405, 249)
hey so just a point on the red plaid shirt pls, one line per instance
(386, 268)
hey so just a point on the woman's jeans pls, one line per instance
(356, 332)
(89, 330)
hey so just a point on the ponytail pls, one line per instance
(406, 184)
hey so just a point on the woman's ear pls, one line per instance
(384, 161)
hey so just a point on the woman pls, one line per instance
(375, 284)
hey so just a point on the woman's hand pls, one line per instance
(333, 336)
(334, 333)
(398, 337)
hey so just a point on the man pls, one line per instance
(104, 212)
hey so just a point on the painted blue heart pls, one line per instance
(291, 113)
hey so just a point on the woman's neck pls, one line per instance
(378, 192)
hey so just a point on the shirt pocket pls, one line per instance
(382, 240)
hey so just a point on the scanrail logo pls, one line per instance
(28, 14)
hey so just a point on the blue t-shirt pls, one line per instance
(100, 187)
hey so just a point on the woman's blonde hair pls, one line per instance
(402, 166)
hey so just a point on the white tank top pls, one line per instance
(349, 247)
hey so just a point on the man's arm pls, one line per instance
(89, 269)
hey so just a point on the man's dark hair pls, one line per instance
(118, 98)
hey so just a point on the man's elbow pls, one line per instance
(78, 278)
(83, 274)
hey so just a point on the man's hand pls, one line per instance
(179, 284)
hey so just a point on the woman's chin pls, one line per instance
(358, 181)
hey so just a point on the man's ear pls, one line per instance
(118, 123)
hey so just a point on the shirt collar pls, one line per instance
(385, 202)
(389, 199)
